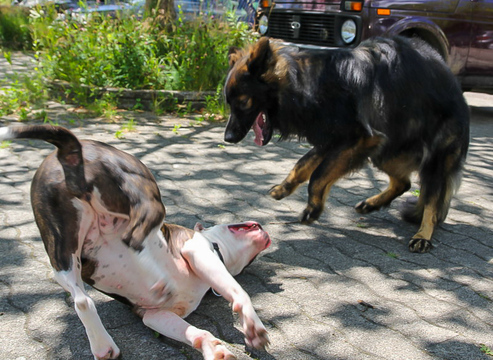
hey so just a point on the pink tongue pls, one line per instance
(257, 129)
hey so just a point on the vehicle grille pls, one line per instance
(314, 29)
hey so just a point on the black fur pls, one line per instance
(396, 94)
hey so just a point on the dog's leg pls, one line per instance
(332, 168)
(396, 188)
(421, 242)
(207, 266)
(171, 325)
(298, 175)
(440, 178)
(399, 170)
(102, 345)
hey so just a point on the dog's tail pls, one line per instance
(69, 151)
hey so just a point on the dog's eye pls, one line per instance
(245, 102)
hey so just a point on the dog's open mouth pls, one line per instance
(262, 129)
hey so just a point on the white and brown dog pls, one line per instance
(100, 216)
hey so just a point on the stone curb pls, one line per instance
(147, 100)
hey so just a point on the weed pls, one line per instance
(125, 128)
(415, 192)
(485, 350)
(43, 115)
(8, 56)
(486, 297)
(105, 106)
(392, 255)
(23, 93)
(138, 105)
(176, 128)
(23, 114)
(129, 125)
(5, 144)
(216, 107)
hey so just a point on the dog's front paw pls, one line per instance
(254, 330)
(279, 192)
(420, 245)
(110, 352)
(102, 345)
(364, 208)
(310, 214)
(212, 348)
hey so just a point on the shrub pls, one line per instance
(128, 52)
(14, 28)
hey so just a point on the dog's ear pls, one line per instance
(198, 227)
(234, 54)
(260, 55)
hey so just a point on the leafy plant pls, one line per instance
(125, 128)
(22, 93)
(126, 52)
(14, 28)
(485, 350)
(176, 128)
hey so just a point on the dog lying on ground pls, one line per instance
(100, 216)
(392, 100)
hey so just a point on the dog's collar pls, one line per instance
(216, 249)
(218, 252)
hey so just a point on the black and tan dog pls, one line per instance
(393, 101)
(100, 216)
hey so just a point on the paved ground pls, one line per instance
(310, 287)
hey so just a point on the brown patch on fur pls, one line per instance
(400, 167)
(298, 175)
(180, 309)
(347, 161)
(399, 170)
(234, 54)
(176, 236)
(429, 221)
(88, 268)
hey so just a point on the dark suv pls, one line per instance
(461, 30)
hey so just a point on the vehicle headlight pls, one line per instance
(348, 31)
(263, 24)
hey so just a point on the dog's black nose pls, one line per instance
(230, 134)
(230, 137)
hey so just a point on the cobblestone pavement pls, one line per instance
(345, 287)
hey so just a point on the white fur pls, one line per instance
(101, 342)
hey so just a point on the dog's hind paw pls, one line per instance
(364, 208)
(420, 245)
(310, 214)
